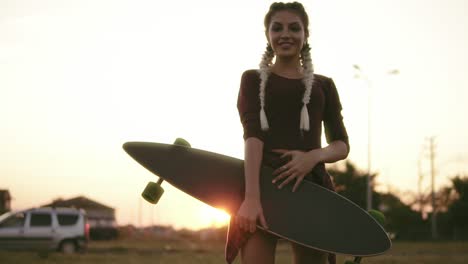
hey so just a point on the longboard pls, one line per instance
(312, 216)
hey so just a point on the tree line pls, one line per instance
(410, 220)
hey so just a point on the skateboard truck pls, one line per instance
(380, 218)
(153, 191)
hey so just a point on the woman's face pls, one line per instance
(286, 34)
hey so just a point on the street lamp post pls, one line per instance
(361, 75)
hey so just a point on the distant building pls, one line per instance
(101, 218)
(5, 201)
(160, 231)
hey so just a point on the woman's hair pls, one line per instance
(295, 7)
(306, 62)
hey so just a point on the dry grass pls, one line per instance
(175, 252)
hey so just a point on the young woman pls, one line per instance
(281, 107)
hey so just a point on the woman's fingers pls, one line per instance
(283, 169)
(281, 176)
(298, 182)
(288, 176)
(285, 172)
(240, 221)
(288, 180)
(280, 151)
(249, 225)
(252, 226)
(296, 168)
(284, 152)
(249, 212)
(263, 221)
(246, 224)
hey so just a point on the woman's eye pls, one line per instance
(295, 28)
(276, 29)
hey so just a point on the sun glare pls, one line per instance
(214, 217)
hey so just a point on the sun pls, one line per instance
(214, 217)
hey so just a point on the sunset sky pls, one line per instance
(80, 78)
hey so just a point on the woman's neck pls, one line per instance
(288, 67)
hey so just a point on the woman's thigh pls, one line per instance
(305, 255)
(259, 249)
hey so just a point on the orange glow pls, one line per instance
(214, 217)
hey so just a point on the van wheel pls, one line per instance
(68, 247)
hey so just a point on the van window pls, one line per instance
(41, 219)
(67, 219)
(16, 220)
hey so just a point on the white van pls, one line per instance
(63, 229)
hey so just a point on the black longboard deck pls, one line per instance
(312, 216)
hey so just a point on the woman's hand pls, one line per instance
(300, 164)
(249, 212)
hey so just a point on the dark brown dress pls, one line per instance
(283, 104)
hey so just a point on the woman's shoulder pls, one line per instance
(324, 82)
(250, 77)
(322, 79)
(251, 73)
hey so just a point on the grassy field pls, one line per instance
(175, 252)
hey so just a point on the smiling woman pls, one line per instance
(282, 106)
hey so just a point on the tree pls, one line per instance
(458, 209)
(401, 220)
(352, 184)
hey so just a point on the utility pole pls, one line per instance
(433, 196)
(420, 194)
(360, 74)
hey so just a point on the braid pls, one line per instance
(264, 71)
(308, 81)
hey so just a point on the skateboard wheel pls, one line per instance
(182, 142)
(152, 192)
(379, 216)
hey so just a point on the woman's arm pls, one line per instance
(253, 153)
(248, 105)
(335, 151)
(251, 208)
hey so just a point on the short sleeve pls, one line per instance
(248, 105)
(333, 119)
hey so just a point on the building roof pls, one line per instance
(79, 202)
